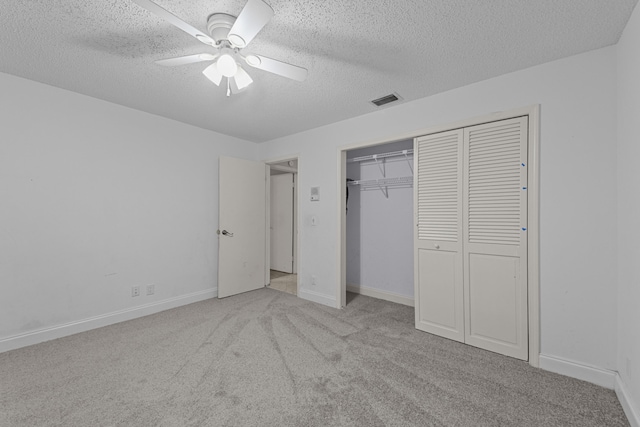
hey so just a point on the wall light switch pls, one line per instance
(315, 194)
(314, 220)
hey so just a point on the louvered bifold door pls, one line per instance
(438, 238)
(495, 236)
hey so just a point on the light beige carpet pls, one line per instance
(267, 358)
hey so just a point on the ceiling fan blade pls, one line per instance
(277, 67)
(184, 60)
(174, 20)
(253, 17)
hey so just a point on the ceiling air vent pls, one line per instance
(386, 99)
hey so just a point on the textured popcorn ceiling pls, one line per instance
(355, 51)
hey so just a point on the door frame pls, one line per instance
(296, 213)
(533, 225)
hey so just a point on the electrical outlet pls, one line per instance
(314, 280)
(135, 291)
(151, 289)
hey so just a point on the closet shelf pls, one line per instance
(381, 156)
(383, 184)
(379, 159)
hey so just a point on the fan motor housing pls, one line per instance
(219, 24)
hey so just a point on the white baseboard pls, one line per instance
(66, 329)
(317, 297)
(385, 295)
(632, 412)
(570, 368)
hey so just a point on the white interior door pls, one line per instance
(495, 237)
(242, 229)
(438, 238)
(282, 222)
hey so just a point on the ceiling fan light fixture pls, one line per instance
(253, 60)
(236, 40)
(242, 78)
(227, 65)
(213, 74)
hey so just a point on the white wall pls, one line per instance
(628, 50)
(379, 230)
(578, 190)
(97, 198)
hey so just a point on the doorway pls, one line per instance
(282, 225)
(379, 217)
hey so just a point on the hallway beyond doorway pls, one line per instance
(284, 282)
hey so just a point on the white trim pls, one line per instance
(341, 253)
(267, 225)
(632, 413)
(66, 329)
(533, 251)
(570, 368)
(533, 237)
(316, 297)
(385, 295)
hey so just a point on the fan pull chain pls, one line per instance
(228, 87)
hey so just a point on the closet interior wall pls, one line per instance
(379, 225)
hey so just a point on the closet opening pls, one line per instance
(379, 218)
(282, 226)
(477, 212)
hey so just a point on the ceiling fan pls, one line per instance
(229, 35)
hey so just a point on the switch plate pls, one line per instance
(151, 289)
(315, 194)
(314, 220)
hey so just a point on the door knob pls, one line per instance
(226, 233)
(437, 246)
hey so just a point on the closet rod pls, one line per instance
(381, 156)
(384, 182)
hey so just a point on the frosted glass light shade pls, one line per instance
(242, 79)
(227, 65)
(213, 74)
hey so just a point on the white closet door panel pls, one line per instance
(439, 187)
(440, 299)
(495, 236)
(438, 238)
(497, 317)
